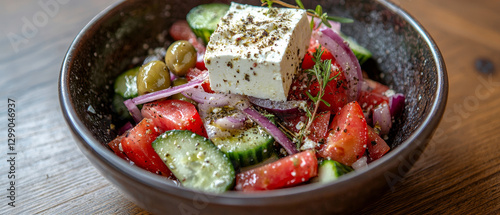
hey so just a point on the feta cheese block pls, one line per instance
(256, 51)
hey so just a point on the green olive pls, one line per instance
(180, 56)
(153, 76)
(179, 96)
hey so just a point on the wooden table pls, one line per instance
(459, 172)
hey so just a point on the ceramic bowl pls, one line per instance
(404, 57)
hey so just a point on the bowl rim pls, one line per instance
(86, 140)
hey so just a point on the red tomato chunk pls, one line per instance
(319, 127)
(348, 136)
(377, 147)
(115, 146)
(194, 73)
(286, 172)
(137, 146)
(174, 115)
(335, 90)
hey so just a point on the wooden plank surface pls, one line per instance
(459, 172)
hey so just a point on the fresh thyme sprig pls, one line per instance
(317, 13)
(320, 72)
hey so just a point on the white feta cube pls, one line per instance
(256, 51)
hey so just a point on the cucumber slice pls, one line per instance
(120, 108)
(330, 170)
(203, 19)
(126, 83)
(246, 147)
(359, 51)
(195, 161)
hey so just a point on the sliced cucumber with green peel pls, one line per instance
(203, 19)
(246, 147)
(330, 170)
(120, 108)
(126, 83)
(359, 51)
(195, 161)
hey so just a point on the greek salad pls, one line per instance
(254, 98)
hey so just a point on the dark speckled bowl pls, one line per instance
(405, 57)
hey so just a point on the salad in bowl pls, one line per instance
(252, 98)
(106, 58)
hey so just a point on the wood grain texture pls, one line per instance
(458, 173)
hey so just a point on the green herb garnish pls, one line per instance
(317, 13)
(320, 72)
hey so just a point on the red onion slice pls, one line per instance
(396, 104)
(382, 117)
(360, 163)
(282, 108)
(202, 97)
(279, 136)
(166, 92)
(235, 121)
(344, 57)
(212, 131)
(172, 76)
(220, 127)
(365, 86)
(217, 99)
(125, 128)
(134, 111)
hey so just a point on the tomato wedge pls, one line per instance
(180, 30)
(196, 72)
(286, 172)
(174, 115)
(376, 87)
(373, 95)
(308, 62)
(335, 91)
(137, 146)
(370, 100)
(115, 146)
(319, 127)
(348, 137)
(377, 147)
